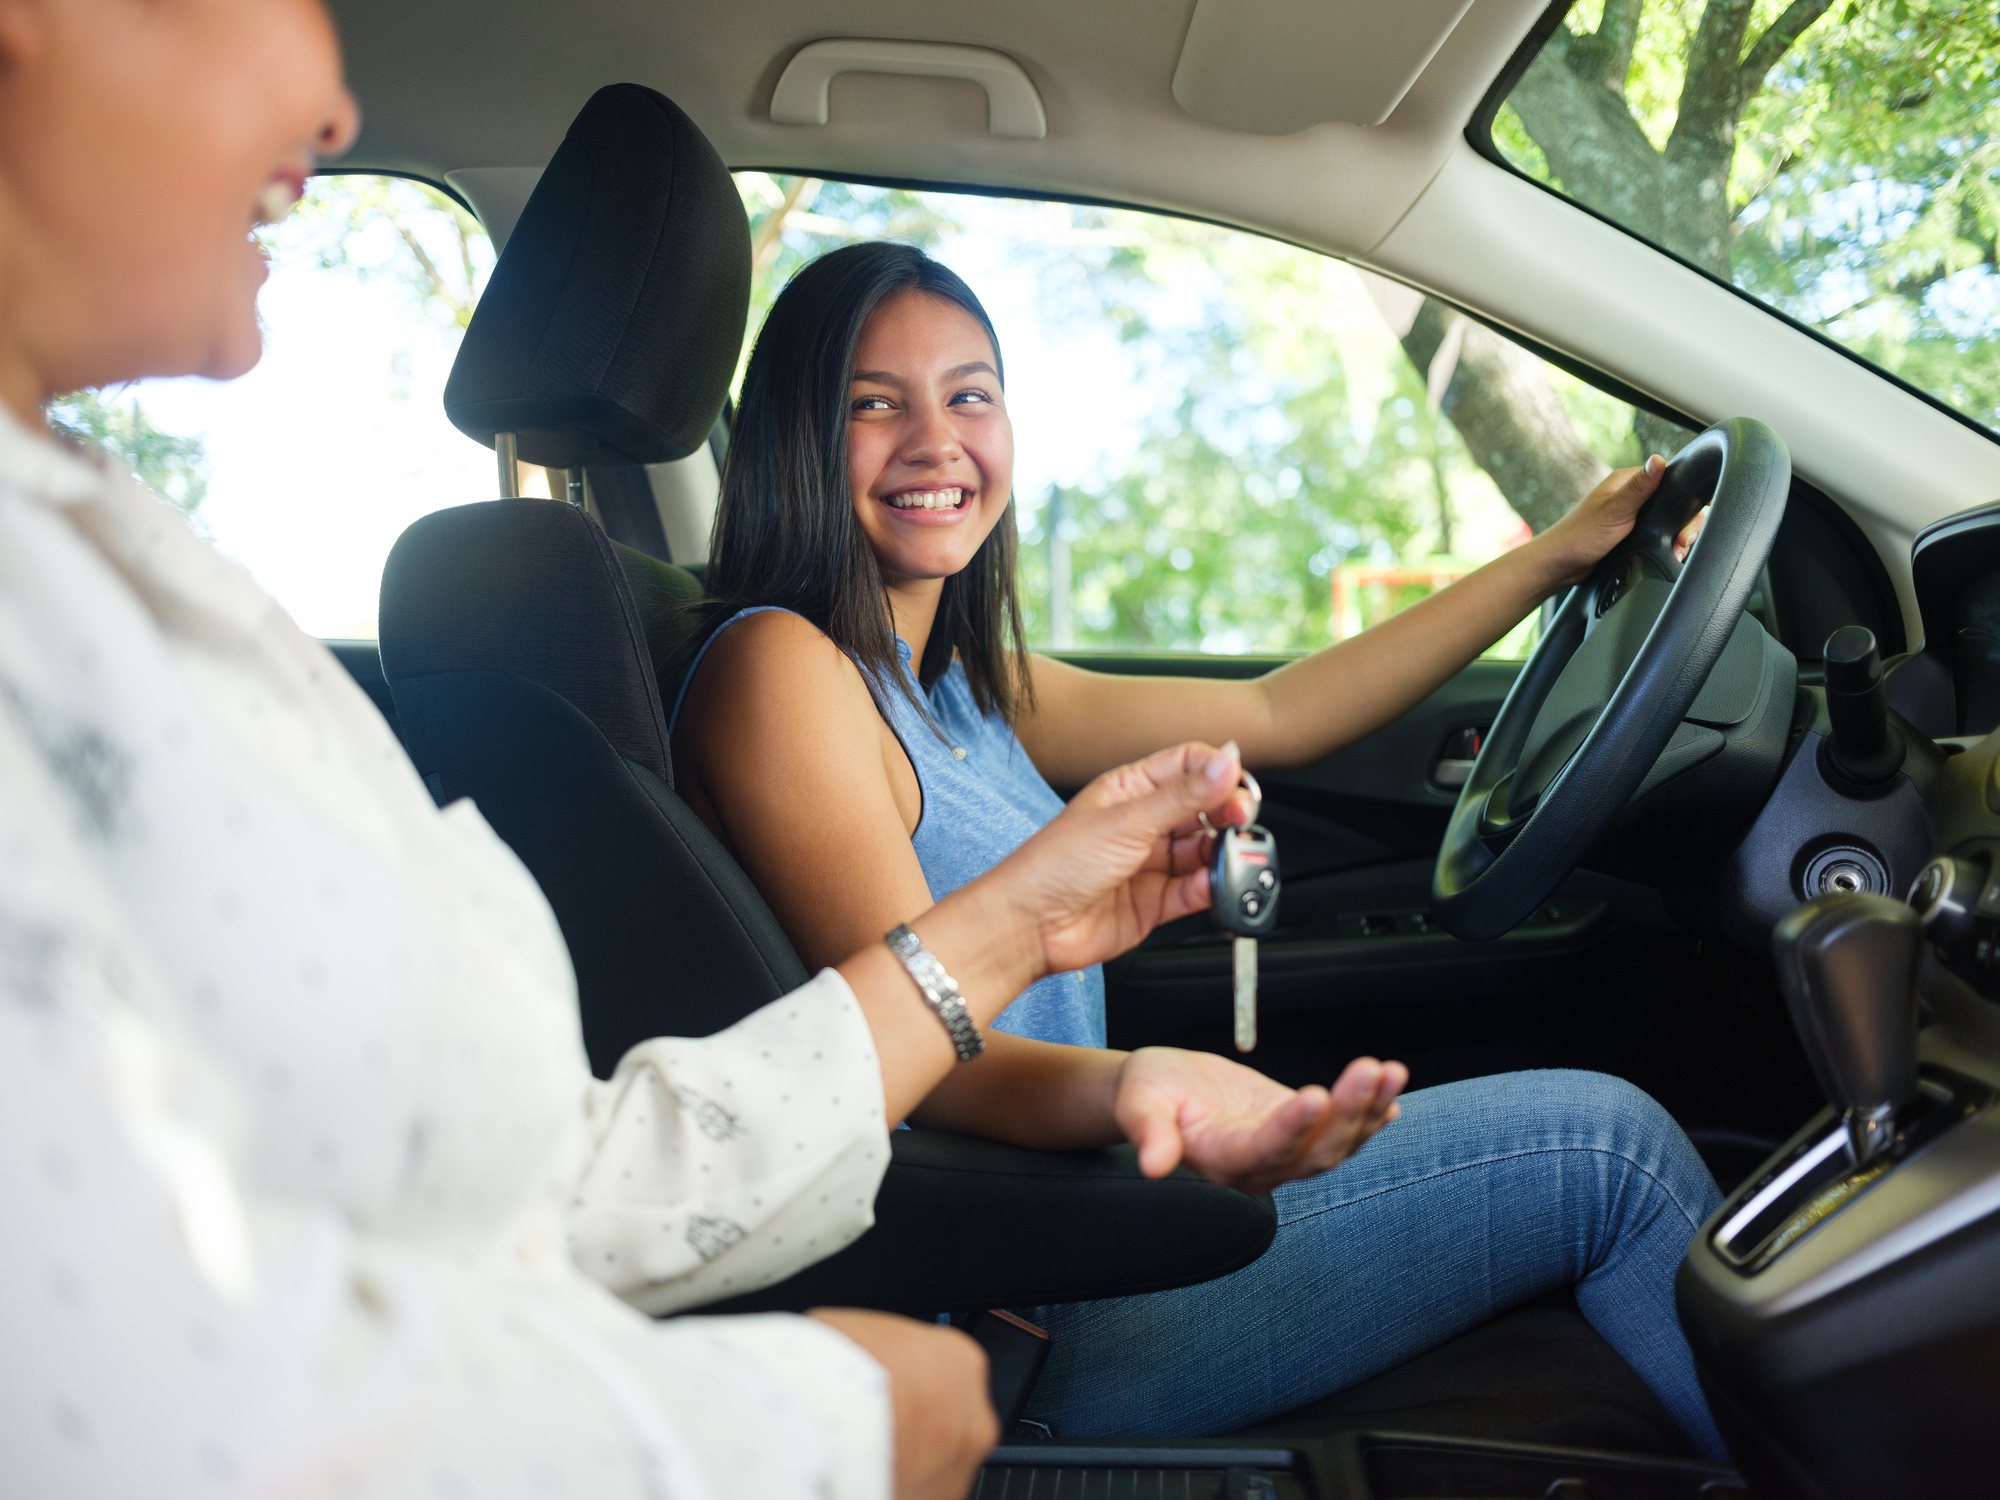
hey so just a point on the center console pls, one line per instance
(1844, 1305)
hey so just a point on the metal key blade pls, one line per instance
(1246, 994)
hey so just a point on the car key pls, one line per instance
(1243, 886)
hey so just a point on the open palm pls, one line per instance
(1235, 1126)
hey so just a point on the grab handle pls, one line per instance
(1013, 107)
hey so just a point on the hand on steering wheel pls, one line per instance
(1541, 793)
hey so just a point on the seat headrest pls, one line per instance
(529, 587)
(612, 323)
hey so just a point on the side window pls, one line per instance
(308, 468)
(1227, 444)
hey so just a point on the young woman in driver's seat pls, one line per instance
(866, 731)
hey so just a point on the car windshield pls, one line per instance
(1838, 160)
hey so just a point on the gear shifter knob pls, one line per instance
(1848, 966)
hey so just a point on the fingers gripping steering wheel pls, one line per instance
(1546, 786)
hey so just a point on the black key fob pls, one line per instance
(1243, 881)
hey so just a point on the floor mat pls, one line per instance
(1540, 1374)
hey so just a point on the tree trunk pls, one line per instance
(1572, 102)
(1510, 419)
(1658, 435)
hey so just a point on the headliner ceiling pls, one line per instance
(451, 84)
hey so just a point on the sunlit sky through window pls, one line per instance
(321, 456)
(338, 439)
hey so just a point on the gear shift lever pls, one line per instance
(1848, 966)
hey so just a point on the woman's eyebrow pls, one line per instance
(886, 377)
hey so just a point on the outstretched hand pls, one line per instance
(1237, 1127)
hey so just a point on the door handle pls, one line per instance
(1453, 766)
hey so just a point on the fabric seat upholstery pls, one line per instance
(666, 597)
(523, 679)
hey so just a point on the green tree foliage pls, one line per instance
(391, 228)
(1300, 438)
(172, 467)
(1841, 162)
(797, 219)
(1220, 529)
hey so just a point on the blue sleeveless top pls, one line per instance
(982, 799)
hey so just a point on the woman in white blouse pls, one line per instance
(299, 1150)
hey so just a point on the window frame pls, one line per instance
(1882, 588)
(444, 189)
(1479, 135)
(1569, 364)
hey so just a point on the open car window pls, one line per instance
(1840, 162)
(1223, 443)
(308, 468)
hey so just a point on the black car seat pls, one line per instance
(521, 666)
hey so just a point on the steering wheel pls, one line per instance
(1610, 681)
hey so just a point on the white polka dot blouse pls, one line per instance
(309, 1191)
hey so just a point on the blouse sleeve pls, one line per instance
(174, 1330)
(726, 1163)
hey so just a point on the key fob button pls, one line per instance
(1252, 903)
(1266, 879)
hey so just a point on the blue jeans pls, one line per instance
(1486, 1194)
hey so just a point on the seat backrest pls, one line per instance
(522, 679)
(674, 627)
(530, 587)
(519, 652)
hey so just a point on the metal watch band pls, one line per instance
(940, 991)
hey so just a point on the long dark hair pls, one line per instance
(785, 528)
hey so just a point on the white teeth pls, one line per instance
(274, 202)
(929, 499)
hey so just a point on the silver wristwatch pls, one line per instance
(940, 991)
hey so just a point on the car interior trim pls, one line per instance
(1833, 1141)
(1967, 1207)
(1013, 107)
(1276, 67)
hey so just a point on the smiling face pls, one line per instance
(140, 142)
(930, 449)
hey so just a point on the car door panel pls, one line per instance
(1371, 804)
(1356, 964)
